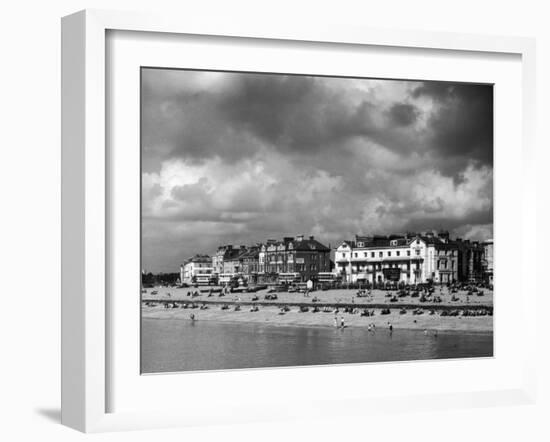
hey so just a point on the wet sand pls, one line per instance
(271, 315)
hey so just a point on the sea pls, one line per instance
(173, 345)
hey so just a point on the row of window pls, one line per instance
(442, 264)
(291, 268)
(380, 254)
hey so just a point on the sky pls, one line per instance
(237, 158)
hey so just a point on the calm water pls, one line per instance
(176, 345)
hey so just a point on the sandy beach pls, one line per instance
(269, 312)
(343, 296)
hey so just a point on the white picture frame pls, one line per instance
(85, 209)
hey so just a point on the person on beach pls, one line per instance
(342, 322)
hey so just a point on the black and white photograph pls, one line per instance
(298, 220)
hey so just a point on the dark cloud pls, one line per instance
(238, 158)
(296, 114)
(422, 223)
(462, 126)
(403, 114)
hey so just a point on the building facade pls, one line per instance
(233, 260)
(197, 270)
(226, 259)
(409, 259)
(250, 264)
(488, 261)
(294, 259)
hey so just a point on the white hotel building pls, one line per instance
(408, 259)
(197, 270)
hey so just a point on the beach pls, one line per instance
(401, 313)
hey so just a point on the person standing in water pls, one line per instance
(335, 321)
(342, 322)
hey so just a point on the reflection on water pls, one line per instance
(180, 345)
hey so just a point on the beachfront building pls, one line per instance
(470, 260)
(197, 270)
(488, 261)
(251, 263)
(409, 259)
(233, 261)
(294, 259)
(226, 259)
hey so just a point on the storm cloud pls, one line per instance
(241, 157)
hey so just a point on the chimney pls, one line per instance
(311, 238)
(299, 237)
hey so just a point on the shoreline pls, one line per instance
(274, 324)
(270, 316)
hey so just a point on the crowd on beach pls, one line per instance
(379, 307)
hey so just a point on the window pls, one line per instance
(359, 244)
(398, 253)
(372, 254)
(417, 252)
(355, 254)
(343, 255)
(380, 254)
(408, 253)
(365, 254)
(389, 253)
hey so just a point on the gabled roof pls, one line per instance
(231, 254)
(308, 245)
(253, 252)
(198, 259)
(349, 243)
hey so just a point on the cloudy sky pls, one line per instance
(238, 158)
